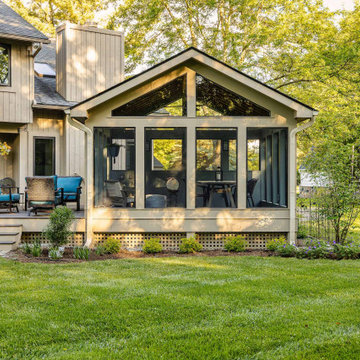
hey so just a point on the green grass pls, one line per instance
(181, 308)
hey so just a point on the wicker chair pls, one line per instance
(9, 194)
(41, 194)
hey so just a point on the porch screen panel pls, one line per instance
(271, 181)
(114, 167)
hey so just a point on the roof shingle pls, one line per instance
(13, 25)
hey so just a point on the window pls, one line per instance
(114, 167)
(208, 154)
(44, 156)
(166, 154)
(253, 147)
(4, 65)
(214, 100)
(267, 167)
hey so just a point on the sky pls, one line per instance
(339, 4)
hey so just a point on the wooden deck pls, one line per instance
(36, 223)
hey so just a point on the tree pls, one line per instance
(247, 34)
(336, 166)
(46, 15)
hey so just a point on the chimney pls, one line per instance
(88, 60)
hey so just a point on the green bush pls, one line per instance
(58, 229)
(112, 245)
(152, 246)
(26, 248)
(317, 249)
(100, 250)
(286, 250)
(81, 253)
(235, 243)
(301, 233)
(36, 249)
(190, 245)
(55, 253)
(274, 244)
(347, 251)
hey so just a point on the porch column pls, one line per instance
(190, 167)
(241, 167)
(191, 93)
(139, 167)
(23, 157)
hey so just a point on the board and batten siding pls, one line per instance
(89, 60)
(16, 99)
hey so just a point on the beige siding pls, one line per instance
(89, 60)
(76, 152)
(16, 100)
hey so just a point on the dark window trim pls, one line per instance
(54, 149)
(9, 49)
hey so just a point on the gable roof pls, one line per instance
(303, 110)
(13, 26)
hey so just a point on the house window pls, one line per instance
(4, 65)
(114, 167)
(216, 164)
(165, 167)
(267, 167)
(44, 156)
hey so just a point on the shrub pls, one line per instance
(112, 245)
(274, 244)
(36, 248)
(235, 243)
(286, 250)
(58, 229)
(26, 248)
(190, 245)
(348, 251)
(100, 250)
(152, 246)
(55, 253)
(317, 249)
(81, 253)
(301, 233)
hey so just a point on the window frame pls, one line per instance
(8, 47)
(53, 138)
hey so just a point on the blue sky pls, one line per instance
(339, 4)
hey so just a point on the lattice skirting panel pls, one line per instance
(135, 241)
(30, 237)
(171, 241)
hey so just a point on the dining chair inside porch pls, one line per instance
(117, 195)
(250, 191)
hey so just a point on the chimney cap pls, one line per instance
(91, 23)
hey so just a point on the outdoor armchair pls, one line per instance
(41, 193)
(9, 194)
(71, 188)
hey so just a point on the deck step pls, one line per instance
(10, 237)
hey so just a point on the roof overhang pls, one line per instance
(302, 111)
(24, 38)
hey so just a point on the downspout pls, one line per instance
(89, 176)
(292, 185)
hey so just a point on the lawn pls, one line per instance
(181, 308)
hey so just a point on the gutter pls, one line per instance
(292, 185)
(89, 176)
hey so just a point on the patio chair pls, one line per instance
(71, 188)
(9, 195)
(116, 194)
(41, 193)
(250, 191)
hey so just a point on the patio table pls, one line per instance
(211, 186)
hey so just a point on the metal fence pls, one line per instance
(312, 223)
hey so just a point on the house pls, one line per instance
(189, 146)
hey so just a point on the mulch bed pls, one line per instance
(18, 255)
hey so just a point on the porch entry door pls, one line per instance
(44, 156)
(165, 167)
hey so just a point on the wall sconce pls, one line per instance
(113, 151)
